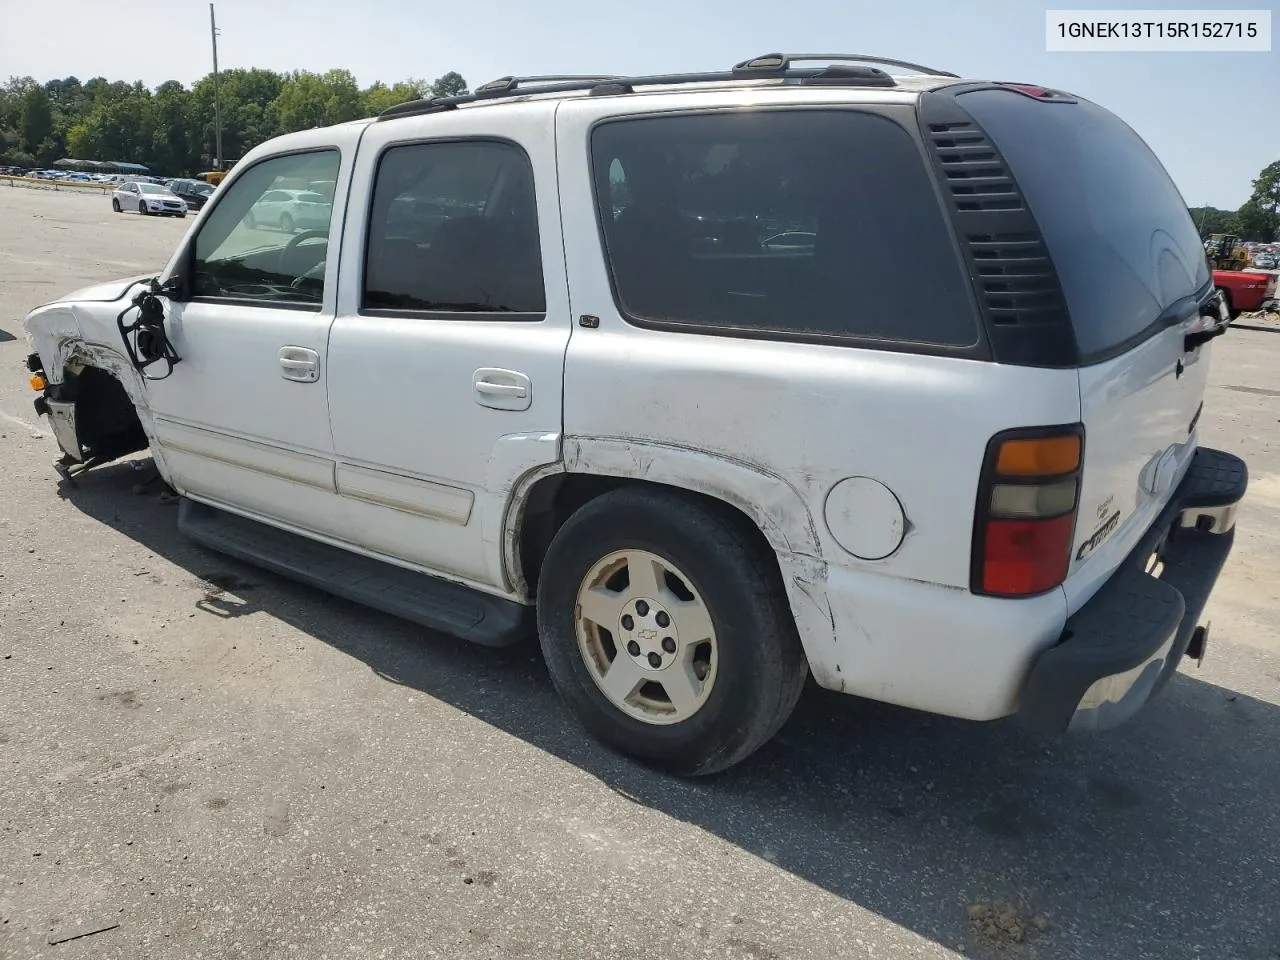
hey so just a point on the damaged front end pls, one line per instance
(90, 391)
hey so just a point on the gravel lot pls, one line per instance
(228, 765)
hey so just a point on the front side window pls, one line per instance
(797, 223)
(258, 245)
(454, 228)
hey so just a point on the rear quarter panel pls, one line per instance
(805, 416)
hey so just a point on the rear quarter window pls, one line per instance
(790, 223)
(1119, 234)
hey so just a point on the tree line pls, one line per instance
(1258, 217)
(171, 129)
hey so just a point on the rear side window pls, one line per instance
(789, 223)
(1121, 239)
(454, 229)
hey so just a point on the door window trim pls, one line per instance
(894, 113)
(219, 196)
(486, 316)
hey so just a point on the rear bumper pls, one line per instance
(1119, 647)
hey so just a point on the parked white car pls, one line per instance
(148, 199)
(291, 210)
(544, 366)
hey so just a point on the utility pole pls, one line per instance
(217, 109)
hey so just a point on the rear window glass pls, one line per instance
(812, 222)
(1122, 241)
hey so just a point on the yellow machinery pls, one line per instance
(1226, 252)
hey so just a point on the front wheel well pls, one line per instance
(106, 421)
(554, 499)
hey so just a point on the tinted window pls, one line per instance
(238, 255)
(454, 227)
(799, 223)
(1120, 236)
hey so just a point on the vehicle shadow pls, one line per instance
(1160, 839)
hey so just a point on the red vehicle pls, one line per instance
(1245, 290)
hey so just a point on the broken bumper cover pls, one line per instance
(1116, 648)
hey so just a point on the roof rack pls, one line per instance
(507, 84)
(848, 70)
(774, 62)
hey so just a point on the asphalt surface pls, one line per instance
(225, 764)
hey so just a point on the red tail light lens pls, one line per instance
(1024, 557)
(1026, 511)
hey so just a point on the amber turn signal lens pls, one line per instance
(38, 382)
(1041, 457)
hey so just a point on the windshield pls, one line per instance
(1123, 244)
(151, 188)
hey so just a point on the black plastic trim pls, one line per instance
(1134, 614)
(1024, 312)
(423, 599)
(989, 478)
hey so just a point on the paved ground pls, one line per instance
(229, 765)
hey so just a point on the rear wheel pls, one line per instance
(286, 223)
(115, 204)
(666, 630)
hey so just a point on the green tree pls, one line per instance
(380, 97)
(1212, 220)
(1255, 222)
(1264, 205)
(449, 85)
(35, 119)
(170, 144)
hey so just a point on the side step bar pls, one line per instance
(428, 601)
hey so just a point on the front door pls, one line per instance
(242, 420)
(447, 354)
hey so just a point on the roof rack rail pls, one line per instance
(507, 84)
(776, 66)
(778, 62)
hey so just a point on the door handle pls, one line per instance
(490, 389)
(502, 389)
(300, 364)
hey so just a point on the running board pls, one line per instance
(428, 601)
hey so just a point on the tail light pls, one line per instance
(1026, 514)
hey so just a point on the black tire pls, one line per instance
(142, 208)
(286, 223)
(115, 205)
(761, 667)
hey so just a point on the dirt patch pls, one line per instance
(1001, 924)
(123, 698)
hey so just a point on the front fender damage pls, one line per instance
(72, 336)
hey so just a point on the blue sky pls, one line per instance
(1214, 119)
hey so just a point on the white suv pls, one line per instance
(730, 377)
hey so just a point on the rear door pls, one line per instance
(446, 358)
(1133, 273)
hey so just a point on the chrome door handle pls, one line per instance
(301, 364)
